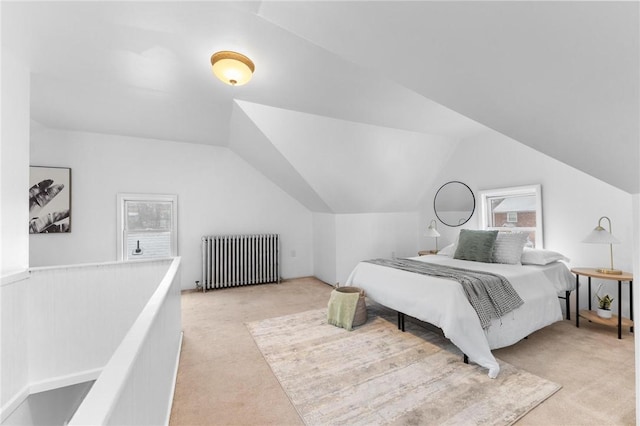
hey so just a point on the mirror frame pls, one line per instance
(515, 191)
(473, 198)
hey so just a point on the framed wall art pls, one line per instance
(49, 200)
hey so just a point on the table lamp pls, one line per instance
(601, 236)
(432, 231)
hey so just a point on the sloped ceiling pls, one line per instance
(351, 102)
(354, 167)
(561, 77)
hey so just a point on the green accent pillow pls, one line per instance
(476, 245)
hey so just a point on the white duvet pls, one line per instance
(442, 302)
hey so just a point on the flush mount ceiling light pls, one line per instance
(231, 67)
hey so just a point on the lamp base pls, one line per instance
(609, 271)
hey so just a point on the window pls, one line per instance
(517, 209)
(147, 226)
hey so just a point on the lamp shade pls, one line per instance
(232, 68)
(431, 232)
(600, 236)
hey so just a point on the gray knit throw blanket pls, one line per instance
(491, 295)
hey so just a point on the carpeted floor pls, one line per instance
(376, 374)
(223, 378)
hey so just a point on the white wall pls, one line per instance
(218, 193)
(340, 241)
(324, 247)
(372, 235)
(14, 170)
(572, 201)
(14, 210)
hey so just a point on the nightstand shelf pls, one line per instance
(426, 252)
(612, 322)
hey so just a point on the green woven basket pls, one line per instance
(360, 317)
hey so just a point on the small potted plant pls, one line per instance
(604, 309)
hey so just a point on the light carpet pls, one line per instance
(377, 374)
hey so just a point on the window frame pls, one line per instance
(517, 191)
(123, 198)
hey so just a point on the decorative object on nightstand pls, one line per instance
(427, 252)
(601, 236)
(432, 231)
(604, 306)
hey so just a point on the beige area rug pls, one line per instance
(377, 374)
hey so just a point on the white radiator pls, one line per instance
(235, 260)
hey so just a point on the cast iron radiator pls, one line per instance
(236, 260)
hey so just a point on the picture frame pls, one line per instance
(49, 200)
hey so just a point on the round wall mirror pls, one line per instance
(454, 203)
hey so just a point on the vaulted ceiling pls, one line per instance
(351, 102)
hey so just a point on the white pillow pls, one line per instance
(540, 257)
(508, 247)
(448, 250)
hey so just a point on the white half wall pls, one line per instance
(572, 201)
(218, 193)
(14, 346)
(80, 314)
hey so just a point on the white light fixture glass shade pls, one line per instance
(432, 231)
(601, 236)
(232, 68)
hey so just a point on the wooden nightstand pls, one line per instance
(426, 252)
(615, 320)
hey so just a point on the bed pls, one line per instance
(443, 303)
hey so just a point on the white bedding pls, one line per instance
(442, 302)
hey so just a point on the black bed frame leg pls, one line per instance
(400, 321)
(465, 359)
